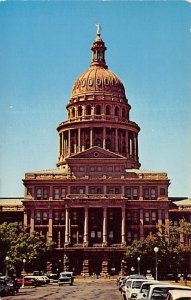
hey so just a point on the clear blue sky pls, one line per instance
(45, 46)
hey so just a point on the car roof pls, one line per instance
(179, 293)
(172, 286)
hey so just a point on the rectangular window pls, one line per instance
(56, 194)
(135, 218)
(147, 217)
(93, 234)
(135, 193)
(128, 193)
(63, 193)
(129, 236)
(37, 218)
(92, 190)
(111, 235)
(74, 190)
(110, 190)
(146, 194)
(99, 169)
(99, 234)
(81, 190)
(39, 194)
(162, 192)
(153, 194)
(153, 217)
(45, 194)
(45, 218)
(136, 236)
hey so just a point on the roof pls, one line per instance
(11, 201)
(183, 203)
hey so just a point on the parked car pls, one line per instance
(53, 277)
(179, 295)
(66, 277)
(38, 273)
(142, 293)
(27, 282)
(37, 281)
(131, 287)
(8, 286)
(160, 291)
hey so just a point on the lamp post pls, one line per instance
(24, 261)
(156, 249)
(138, 262)
(6, 266)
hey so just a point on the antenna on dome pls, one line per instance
(98, 29)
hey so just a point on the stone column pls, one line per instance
(63, 148)
(67, 227)
(116, 140)
(32, 220)
(141, 225)
(91, 137)
(160, 221)
(50, 226)
(166, 220)
(69, 142)
(25, 218)
(104, 138)
(131, 147)
(127, 142)
(79, 140)
(123, 239)
(141, 193)
(104, 226)
(135, 145)
(86, 227)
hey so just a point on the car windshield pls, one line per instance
(145, 288)
(66, 275)
(160, 293)
(137, 284)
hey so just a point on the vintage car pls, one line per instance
(66, 277)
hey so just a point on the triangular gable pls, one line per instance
(96, 152)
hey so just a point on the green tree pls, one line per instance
(173, 254)
(17, 244)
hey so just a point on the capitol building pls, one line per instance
(97, 200)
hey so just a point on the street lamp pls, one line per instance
(156, 249)
(138, 261)
(24, 261)
(6, 265)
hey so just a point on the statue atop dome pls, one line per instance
(98, 29)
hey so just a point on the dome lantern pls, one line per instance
(98, 50)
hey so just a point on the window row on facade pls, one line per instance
(99, 109)
(41, 217)
(131, 193)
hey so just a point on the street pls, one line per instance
(81, 290)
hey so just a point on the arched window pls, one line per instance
(108, 111)
(88, 110)
(116, 111)
(123, 113)
(98, 110)
(79, 111)
(73, 112)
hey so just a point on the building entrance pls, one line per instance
(95, 265)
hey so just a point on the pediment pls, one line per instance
(96, 153)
